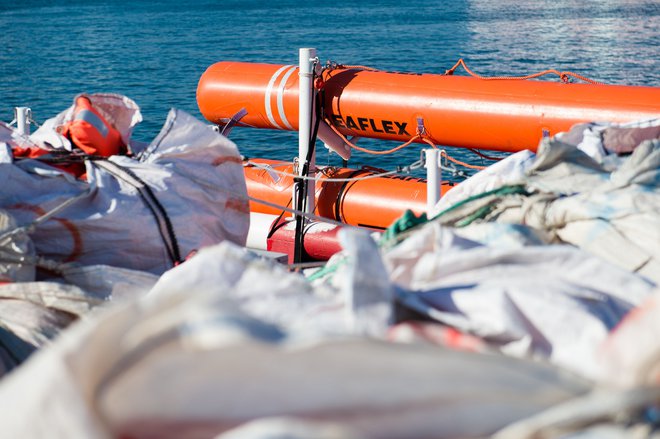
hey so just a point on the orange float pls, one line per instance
(455, 111)
(374, 203)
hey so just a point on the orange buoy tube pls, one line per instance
(373, 203)
(504, 115)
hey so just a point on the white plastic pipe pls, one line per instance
(306, 118)
(433, 178)
(23, 120)
(333, 142)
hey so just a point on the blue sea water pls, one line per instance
(155, 51)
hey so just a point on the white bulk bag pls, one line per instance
(194, 174)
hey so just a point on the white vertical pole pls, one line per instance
(23, 120)
(306, 118)
(433, 178)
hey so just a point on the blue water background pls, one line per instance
(155, 51)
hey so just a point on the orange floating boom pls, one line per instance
(502, 115)
(374, 202)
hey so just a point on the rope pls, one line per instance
(444, 154)
(408, 223)
(278, 223)
(29, 228)
(369, 151)
(332, 65)
(478, 214)
(418, 136)
(348, 67)
(9, 257)
(32, 121)
(163, 222)
(396, 148)
(294, 211)
(406, 169)
(305, 265)
(326, 270)
(564, 76)
(482, 155)
(503, 190)
(458, 162)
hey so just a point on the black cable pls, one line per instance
(302, 184)
(155, 207)
(278, 223)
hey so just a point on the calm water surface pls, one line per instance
(155, 51)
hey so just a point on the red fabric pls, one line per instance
(75, 169)
(28, 153)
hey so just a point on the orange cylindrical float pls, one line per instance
(374, 202)
(505, 115)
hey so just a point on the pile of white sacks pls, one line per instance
(538, 317)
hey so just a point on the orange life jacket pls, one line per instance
(90, 131)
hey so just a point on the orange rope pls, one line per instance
(562, 75)
(458, 162)
(396, 148)
(451, 159)
(325, 74)
(370, 151)
(429, 142)
(342, 66)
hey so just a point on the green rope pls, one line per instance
(409, 221)
(326, 270)
(405, 222)
(517, 189)
(479, 214)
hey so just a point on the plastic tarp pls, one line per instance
(16, 252)
(105, 238)
(631, 353)
(33, 313)
(509, 170)
(555, 303)
(608, 205)
(604, 141)
(191, 359)
(194, 174)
